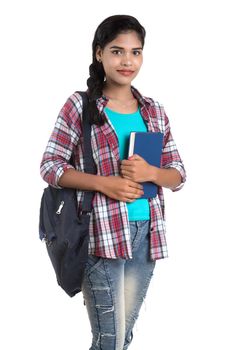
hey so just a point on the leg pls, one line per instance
(138, 274)
(103, 290)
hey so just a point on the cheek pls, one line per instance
(138, 62)
(110, 65)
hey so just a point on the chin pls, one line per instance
(124, 80)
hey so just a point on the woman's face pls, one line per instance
(121, 58)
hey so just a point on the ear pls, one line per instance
(99, 53)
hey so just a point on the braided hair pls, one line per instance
(107, 31)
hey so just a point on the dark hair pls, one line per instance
(107, 31)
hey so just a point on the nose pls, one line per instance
(126, 60)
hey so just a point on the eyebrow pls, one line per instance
(122, 48)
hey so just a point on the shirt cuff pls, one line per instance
(60, 171)
(181, 170)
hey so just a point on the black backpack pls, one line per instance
(66, 234)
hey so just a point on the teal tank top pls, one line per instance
(124, 124)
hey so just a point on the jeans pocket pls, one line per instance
(134, 232)
(139, 230)
(94, 263)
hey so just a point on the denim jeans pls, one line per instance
(114, 290)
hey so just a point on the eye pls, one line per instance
(117, 52)
(136, 52)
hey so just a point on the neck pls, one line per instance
(121, 93)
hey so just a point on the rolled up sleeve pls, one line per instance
(170, 155)
(63, 140)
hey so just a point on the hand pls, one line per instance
(121, 189)
(135, 168)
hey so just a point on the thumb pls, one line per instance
(135, 157)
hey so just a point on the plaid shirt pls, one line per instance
(109, 224)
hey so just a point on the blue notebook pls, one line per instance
(148, 145)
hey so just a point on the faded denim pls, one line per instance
(114, 290)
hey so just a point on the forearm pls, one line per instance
(114, 187)
(169, 178)
(75, 179)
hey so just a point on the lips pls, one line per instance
(126, 73)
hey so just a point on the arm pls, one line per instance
(114, 187)
(171, 174)
(137, 169)
(55, 167)
(169, 178)
(62, 142)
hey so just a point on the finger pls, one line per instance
(132, 197)
(135, 157)
(126, 163)
(129, 200)
(127, 168)
(135, 185)
(126, 177)
(126, 172)
(137, 194)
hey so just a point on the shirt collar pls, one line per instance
(143, 101)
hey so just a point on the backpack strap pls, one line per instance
(89, 165)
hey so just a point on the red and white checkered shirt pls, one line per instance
(109, 224)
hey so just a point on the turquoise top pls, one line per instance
(123, 125)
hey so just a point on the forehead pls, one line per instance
(126, 40)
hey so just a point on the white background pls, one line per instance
(188, 66)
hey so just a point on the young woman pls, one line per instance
(127, 233)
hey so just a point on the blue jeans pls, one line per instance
(114, 290)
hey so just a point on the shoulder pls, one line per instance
(73, 102)
(71, 112)
(154, 103)
(155, 108)
(157, 114)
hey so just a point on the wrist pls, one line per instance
(100, 183)
(153, 174)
